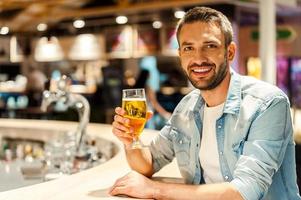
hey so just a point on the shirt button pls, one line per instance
(181, 141)
(226, 177)
(221, 153)
(219, 126)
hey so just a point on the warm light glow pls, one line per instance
(157, 24)
(48, 50)
(121, 19)
(85, 47)
(179, 14)
(254, 67)
(42, 27)
(4, 30)
(15, 56)
(79, 23)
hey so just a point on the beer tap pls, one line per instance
(77, 101)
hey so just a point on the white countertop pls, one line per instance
(90, 184)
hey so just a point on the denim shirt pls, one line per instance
(254, 138)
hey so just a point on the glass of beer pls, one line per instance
(134, 104)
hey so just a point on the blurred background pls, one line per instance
(104, 45)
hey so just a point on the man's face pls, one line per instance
(203, 55)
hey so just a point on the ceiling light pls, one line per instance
(179, 14)
(4, 30)
(42, 27)
(121, 19)
(79, 23)
(157, 24)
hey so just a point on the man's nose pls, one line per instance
(199, 56)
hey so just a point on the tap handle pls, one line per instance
(46, 100)
(64, 83)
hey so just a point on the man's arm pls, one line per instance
(264, 149)
(139, 160)
(224, 191)
(136, 185)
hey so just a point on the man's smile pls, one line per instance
(200, 70)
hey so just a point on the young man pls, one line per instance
(233, 132)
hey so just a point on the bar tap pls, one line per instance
(77, 101)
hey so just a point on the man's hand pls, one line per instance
(135, 185)
(121, 128)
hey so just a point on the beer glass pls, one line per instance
(134, 104)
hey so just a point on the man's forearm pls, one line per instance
(140, 160)
(220, 191)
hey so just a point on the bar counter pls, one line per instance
(90, 184)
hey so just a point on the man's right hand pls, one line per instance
(121, 128)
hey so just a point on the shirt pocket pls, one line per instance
(238, 140)
(237, 147)
(182, 149)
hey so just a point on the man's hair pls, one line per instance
(207, 15)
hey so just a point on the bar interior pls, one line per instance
(64, 63)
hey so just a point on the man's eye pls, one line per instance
(187, 48)
(211, 46)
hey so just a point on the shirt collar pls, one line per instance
(233, 101)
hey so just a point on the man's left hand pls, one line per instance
(135, 185)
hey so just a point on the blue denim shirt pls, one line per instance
(254, 137)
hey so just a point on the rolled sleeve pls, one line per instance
(263, 150)
(161, 149)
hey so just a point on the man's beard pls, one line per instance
(215, 80)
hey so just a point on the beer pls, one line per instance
(136, 112)
(134, 104)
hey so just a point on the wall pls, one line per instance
(249, 47)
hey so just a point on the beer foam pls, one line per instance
(133, 99)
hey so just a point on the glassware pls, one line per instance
(134, 103)
(59, 156)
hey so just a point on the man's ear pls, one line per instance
(231, 51)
